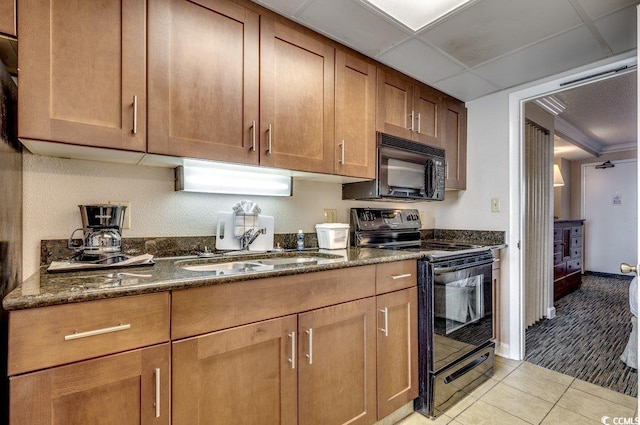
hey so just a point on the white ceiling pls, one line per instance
(491, 45)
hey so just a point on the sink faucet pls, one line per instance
(249, 236)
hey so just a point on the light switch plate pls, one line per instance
(495, 204)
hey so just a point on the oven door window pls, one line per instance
(459, 302)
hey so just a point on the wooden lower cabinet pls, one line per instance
(397, 351)
(119, 389)
(242, 375)
(337, 364)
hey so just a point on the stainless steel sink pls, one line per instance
(262, 264)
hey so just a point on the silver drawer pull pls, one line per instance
(156, 402)
(253, 136)
(95, 332)
(292, 360)
(385, 330)
(310, 355)
(135, 115)
(400, 276)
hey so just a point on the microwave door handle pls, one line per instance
(429, 178)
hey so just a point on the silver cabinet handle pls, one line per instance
(418, 123)
(400, 276)
(78, 335)
(135, 115)
(341, 161)
(411, 115)
(292, 360)
(385, 330)
(310, 355)
(253, 136)
(269, 139)
(156, 402)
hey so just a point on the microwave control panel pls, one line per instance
(384, 218)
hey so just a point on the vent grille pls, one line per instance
(387, 140)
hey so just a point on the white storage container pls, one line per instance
(332, 235)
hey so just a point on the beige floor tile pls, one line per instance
(561, 416)
(481, 413)
(518, 403)
(506, 361)
(607, 394)
(546, 373)
(460, 406)
(482, 389)
(417, 419)
(502, 368)
(591, 406)
(536, 385)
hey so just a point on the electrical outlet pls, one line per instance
(330, 215)
(495, 204)
(126, 222)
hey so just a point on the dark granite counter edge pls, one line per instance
(17, 301)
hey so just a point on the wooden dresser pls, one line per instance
(567, 256)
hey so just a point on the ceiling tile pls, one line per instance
(351, 24)
(283, 7)
(419, 61)
(598, 8)
(619, 30)
(492, 28)
(466, 86)
(557, 54)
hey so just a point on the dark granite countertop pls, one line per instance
(45, 289)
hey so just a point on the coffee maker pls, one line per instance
(101, 234)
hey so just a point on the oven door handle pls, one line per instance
(441, 270)
(467, 368)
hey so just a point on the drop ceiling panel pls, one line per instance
(619, 30)
(598, 8)
(419, 61)
(283, 7)
(557, 54)
(466, 86)
(492, 28)
(352, 24)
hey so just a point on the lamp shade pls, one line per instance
(557, 176)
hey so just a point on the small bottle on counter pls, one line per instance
(300, 241)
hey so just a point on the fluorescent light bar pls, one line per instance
(551, 104)
(228, 179)
(416, 14)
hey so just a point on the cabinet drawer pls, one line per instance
(576, 242)
(557, 234)
(574, 266)
(559, 270)
(557, 246)
(397, 275)
(576, 231)
(576, 252)
(557, 257)
(211, 308)
(49, 336)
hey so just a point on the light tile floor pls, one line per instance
(523, 393)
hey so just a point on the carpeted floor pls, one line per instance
(589, 333)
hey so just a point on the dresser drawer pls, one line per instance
(395, 276)
(557, 247)
(576, 231)
(576, 242)
(576, 252)
(559, 271)
(574, 266)
(50, 336)
(557, 257)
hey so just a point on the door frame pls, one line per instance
(515, 348)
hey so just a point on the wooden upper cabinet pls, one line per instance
(395, 104)
(118, 389)
(355, 116)
(408, 109)
(455, 144)
(296, 99)
(8, 17)
(83, 72)
(337, 366)
(203, 80)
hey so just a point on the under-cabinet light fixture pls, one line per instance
(209, 177)
(557, 176)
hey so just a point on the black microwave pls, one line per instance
(406, 171)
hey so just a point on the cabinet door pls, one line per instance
(296, 99)
(427, 103)
(8, 17)
(455, 144)
(355, 116)
(397, 349)
(243, 375)
(203, 80)
(337, 364)
(119, 389)
(83, 72)
(395, 104)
